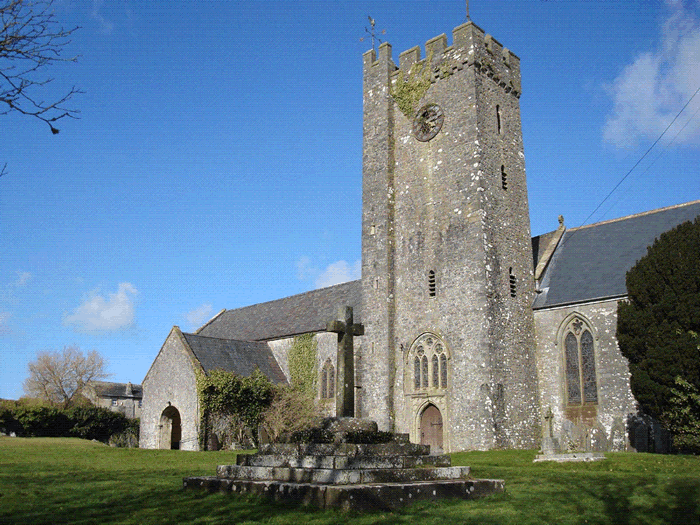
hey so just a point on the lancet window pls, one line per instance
(579, 353)
(328, 380)
(428, 358)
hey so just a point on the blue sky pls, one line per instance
(217, 159)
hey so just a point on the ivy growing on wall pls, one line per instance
(302, 360)
(410, 88)
(231, 405)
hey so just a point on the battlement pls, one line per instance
(471, 47)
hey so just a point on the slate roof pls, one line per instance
(240, 357)
(298, 314)
(590, 263)
(108, 389)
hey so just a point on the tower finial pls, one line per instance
(372, 33)
(468, 17)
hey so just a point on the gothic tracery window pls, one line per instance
(328, 380)
(428, 362)
(581, 382)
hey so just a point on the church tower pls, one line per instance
(448, 353)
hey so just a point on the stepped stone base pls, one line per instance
(360, 497)
(358, 476)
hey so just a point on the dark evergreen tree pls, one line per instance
(657, 326)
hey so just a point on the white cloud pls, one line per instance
(22, 278)
(304, 269)
(105, 25)
(98, 314)
(199, 316)
(4, 326)
(650, 91)
(338, 272)
(335, 273)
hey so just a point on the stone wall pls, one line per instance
(171, 381)
(327, 346)
(601, 426)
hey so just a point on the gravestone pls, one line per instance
(570, 434)
(549, 444)
(617, 436)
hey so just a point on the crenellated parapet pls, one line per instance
(471, 48)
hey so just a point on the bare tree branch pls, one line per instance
(59, 377)
(30, 40)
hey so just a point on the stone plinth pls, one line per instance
(358, 476)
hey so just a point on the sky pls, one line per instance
(217, 159)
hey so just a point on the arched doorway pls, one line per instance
(431, 429)
(170, 429)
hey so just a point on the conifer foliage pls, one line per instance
(657, 325)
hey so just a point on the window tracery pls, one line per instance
(428, 361)
(579, 354)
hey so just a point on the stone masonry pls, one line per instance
(446, 246)
(346, 474)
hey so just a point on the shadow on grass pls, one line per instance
(59, 485)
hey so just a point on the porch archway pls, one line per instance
(170, 429)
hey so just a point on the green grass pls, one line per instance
(73, 481)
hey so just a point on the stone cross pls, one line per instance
(549, 416)
(345, 363)
(549, 444)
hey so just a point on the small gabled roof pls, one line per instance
(298, 314)
(590, 263)
(239, 357)
(109, 389)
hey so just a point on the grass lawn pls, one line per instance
(51, 480)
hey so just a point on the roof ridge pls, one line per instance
(634, 215)
(210, 321)
(310, 292)
(221, 338)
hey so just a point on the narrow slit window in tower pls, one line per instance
(504, 177)
(512, 283)
(431, 283)
(498, 118)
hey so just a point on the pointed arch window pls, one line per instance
(579, 353)
(428, 362)
(328, 380)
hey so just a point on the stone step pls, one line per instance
(340, 476)
(361, 497)
(393, 448)
(341, 462)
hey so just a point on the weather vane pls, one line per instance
(372, 32)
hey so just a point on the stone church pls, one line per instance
(474, 331)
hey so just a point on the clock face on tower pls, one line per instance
(428, 122)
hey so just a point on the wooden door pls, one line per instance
(431, 429)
